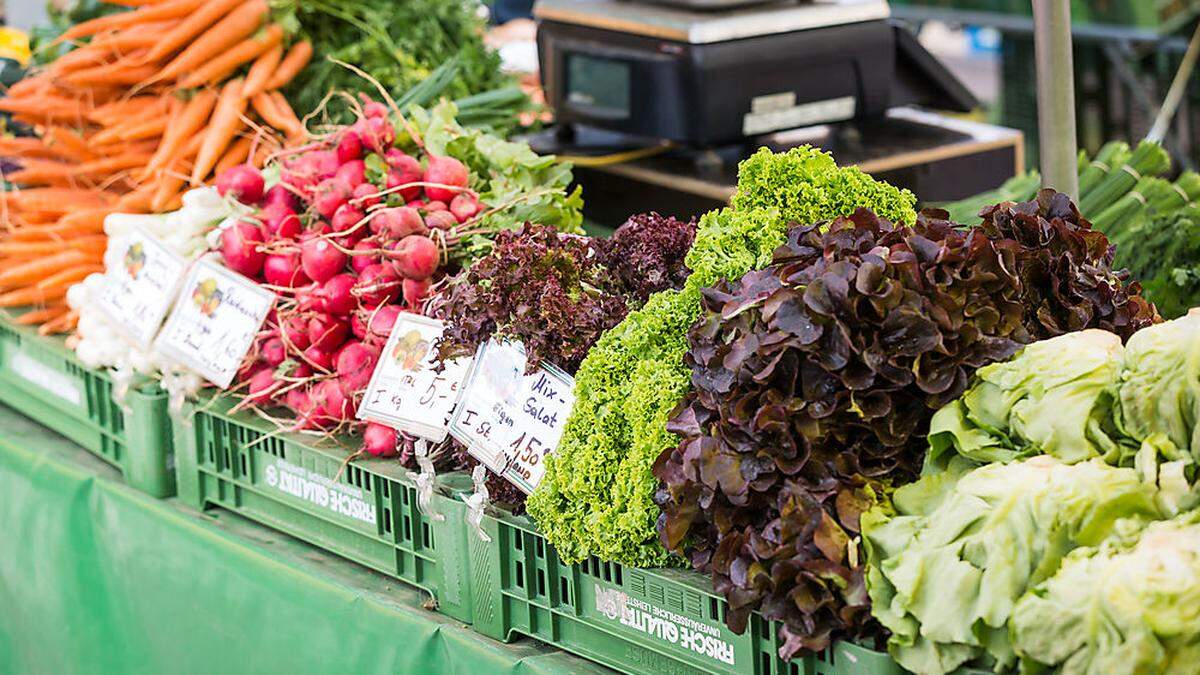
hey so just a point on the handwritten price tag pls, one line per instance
(214, 322)
(405, 392)
(508, 420)
(139, 285)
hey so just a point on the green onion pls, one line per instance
(1148, 160)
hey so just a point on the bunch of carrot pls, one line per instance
(153, 101)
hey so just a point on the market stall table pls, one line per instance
(97, 577)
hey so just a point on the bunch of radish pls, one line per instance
(352, 234)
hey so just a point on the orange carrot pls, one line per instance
(182, 128)
(35, 270)
(284, 109)
(68, 277)
(237, 154)
(297, 57)
(243, 52)
(137, 201)
(58, 200)
(62, 324)
(187, 30)
(49, 109)
(37, 316)
(172, 180)
(111, 165)
(116, 111)
(262, 70)
(67, 144)
(143, 130)
(267, 108)
(63, 228)
(119, 73)
(89, 244)
(235, 27)
(225, 122)
(171, 9)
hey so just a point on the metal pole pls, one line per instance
(1056, 95)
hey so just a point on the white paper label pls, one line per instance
(47, 378)
(214, 323)
(510, 421)
(140, 285)
(766, 118)
(406, 392)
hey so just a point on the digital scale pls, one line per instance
(704, 73)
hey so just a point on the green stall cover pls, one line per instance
(98, 578)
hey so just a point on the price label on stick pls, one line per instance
(140, 283)
(406, 392)
(215, 321)
(508, 420)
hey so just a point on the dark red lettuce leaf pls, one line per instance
(647, 252)
(815, 378)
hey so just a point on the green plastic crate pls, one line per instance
(634, 621)
(365, 511)
(42, 379)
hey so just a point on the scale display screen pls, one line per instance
(598, 86)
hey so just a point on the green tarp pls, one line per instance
(97, 578)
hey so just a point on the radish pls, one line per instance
(294, 331)
(350, 147)
(278, 194)
(376, 133)
(416, 257)
(329, 195)
(366, 195)
(440, 220)
(435, 206)
(243, 182)
(399, 222)
(404, 170)
(299, 400)
(464, 206)
(274, 352)
(283, 269)
(358, 263)
(324, 163)
(319, 358)
(381, 323)
(415, 291)
(239, 247)
(326, 332)
(354, 365)
(353, 172)
(375, 109)
(336, 297)
(262, 387)
(377, 285)
(380, 440)
(280, 220)
(345, 218)
(445, 171)
(332, 405)
(321, 259)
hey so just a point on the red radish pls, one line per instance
(358, 263)
(354, 365)
(404, 170)
(299, 400)
(398, 222)
(418, 204)
(381, 323)
(321, 259)
(366, 195)
(380, 440)
(416, 257)
(377, 133)
(278, 194)
(280, 220)
(353, 172)
(263, 387)
(318, 358)
(329, 195)
(440, 220)
(327, 332)
(283, 269)
(336, 297)
(378, 284)
(435, 206)
(332, 404)
(274, 352)
(375, 109)
(350, 147)
(324, 162)
(445, 171)
(415, 291)
(464, 206)
(358, 326)
(294, 331)
(345, 218)
(239, 246)
(243, 182)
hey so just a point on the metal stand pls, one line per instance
(1056, 95)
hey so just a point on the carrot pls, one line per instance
(265, 105)
(67, 144)
(21, 146)
(235, 27)
(236, 154)
(172, 180)
(225, 122)
(49, 109)
(123, 109)
(69, 277)
(182, 129)
(89, 244)
(62, 324)
(187, 30)
(143, 130)
(171, 9)
(28, 86)
(119, 73)
(37, 316)
(137, 201)
(34, 270)
(288, 116)
(111, 165)
(297, 57)
(244, 52)
(262, 70)
(58, 200)
(112, 44)
(63, 228)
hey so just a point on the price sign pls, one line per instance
(215, 321)
(140, 283)
(508, 420)
(406, 393)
